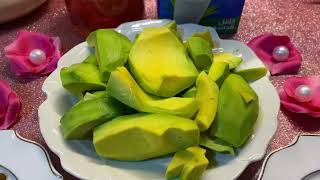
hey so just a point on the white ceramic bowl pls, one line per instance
(300, 159)
(79, 157)
(24, 159)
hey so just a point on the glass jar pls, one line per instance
(89, 15)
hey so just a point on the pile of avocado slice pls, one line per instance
(159, 96)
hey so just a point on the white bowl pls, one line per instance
(79, 157)
(24, 159)
(300, 159)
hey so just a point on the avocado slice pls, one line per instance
(238, 110)
(79, 121)
(123, 87)
(94, 95)
(191, 92)
(160, 64)
(91, 59)
(143, 136)
(81, 77)
(200, 52)
(173, 27)
(229, 58)
(206, 35)
(216, 145)
(188, 164)
(253, 74)
(111, 48)
(218, 72)
(207, 97)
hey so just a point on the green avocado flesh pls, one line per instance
(94, 95)
(191, 92)
(216, 145)
(123, 87)
(232, 60)
(238, 110)
(200, 52)
(252, 74)
(160, 64)
(174, 29)
(79, 121)
(112, 49)
(82, 77)
(206, 35)
(188, 164)
(218, 72)
(91, 59)
(207, 97)
(143, 136)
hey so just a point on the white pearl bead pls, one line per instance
(280, 53)
(37, 56)
(303, 93)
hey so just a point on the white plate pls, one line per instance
(299, 160)
(24, 159)
(79, 157)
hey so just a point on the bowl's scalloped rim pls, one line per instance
(63, 153)
(17, 139)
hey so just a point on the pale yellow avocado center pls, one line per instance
(160, 63)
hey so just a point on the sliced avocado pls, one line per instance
(191, 92)
(82, 77)
(219, 71)
(207, 97)
(188, 164)
(252, 74)
(91, 59)
(235, 117)
(112, 49)
(143, 136)
(206, 35)
(166, 69)
(94, 95)
(173, 27)
(136, 37)
(79, 121)
(200, 52)
(123, 87)
(243, 89)
(216, 145)
(229, 58)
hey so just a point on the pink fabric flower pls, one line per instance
(9, 106)
(263, 46)
(289, 99)
(18, 54)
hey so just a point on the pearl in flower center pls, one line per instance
(37, 56)
(303, 93)
(280, 53)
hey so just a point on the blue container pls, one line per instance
(223, 15)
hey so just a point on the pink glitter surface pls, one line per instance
(299, 19)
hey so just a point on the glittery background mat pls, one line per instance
(298, 19)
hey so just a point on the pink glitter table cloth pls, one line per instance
(299, 19)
